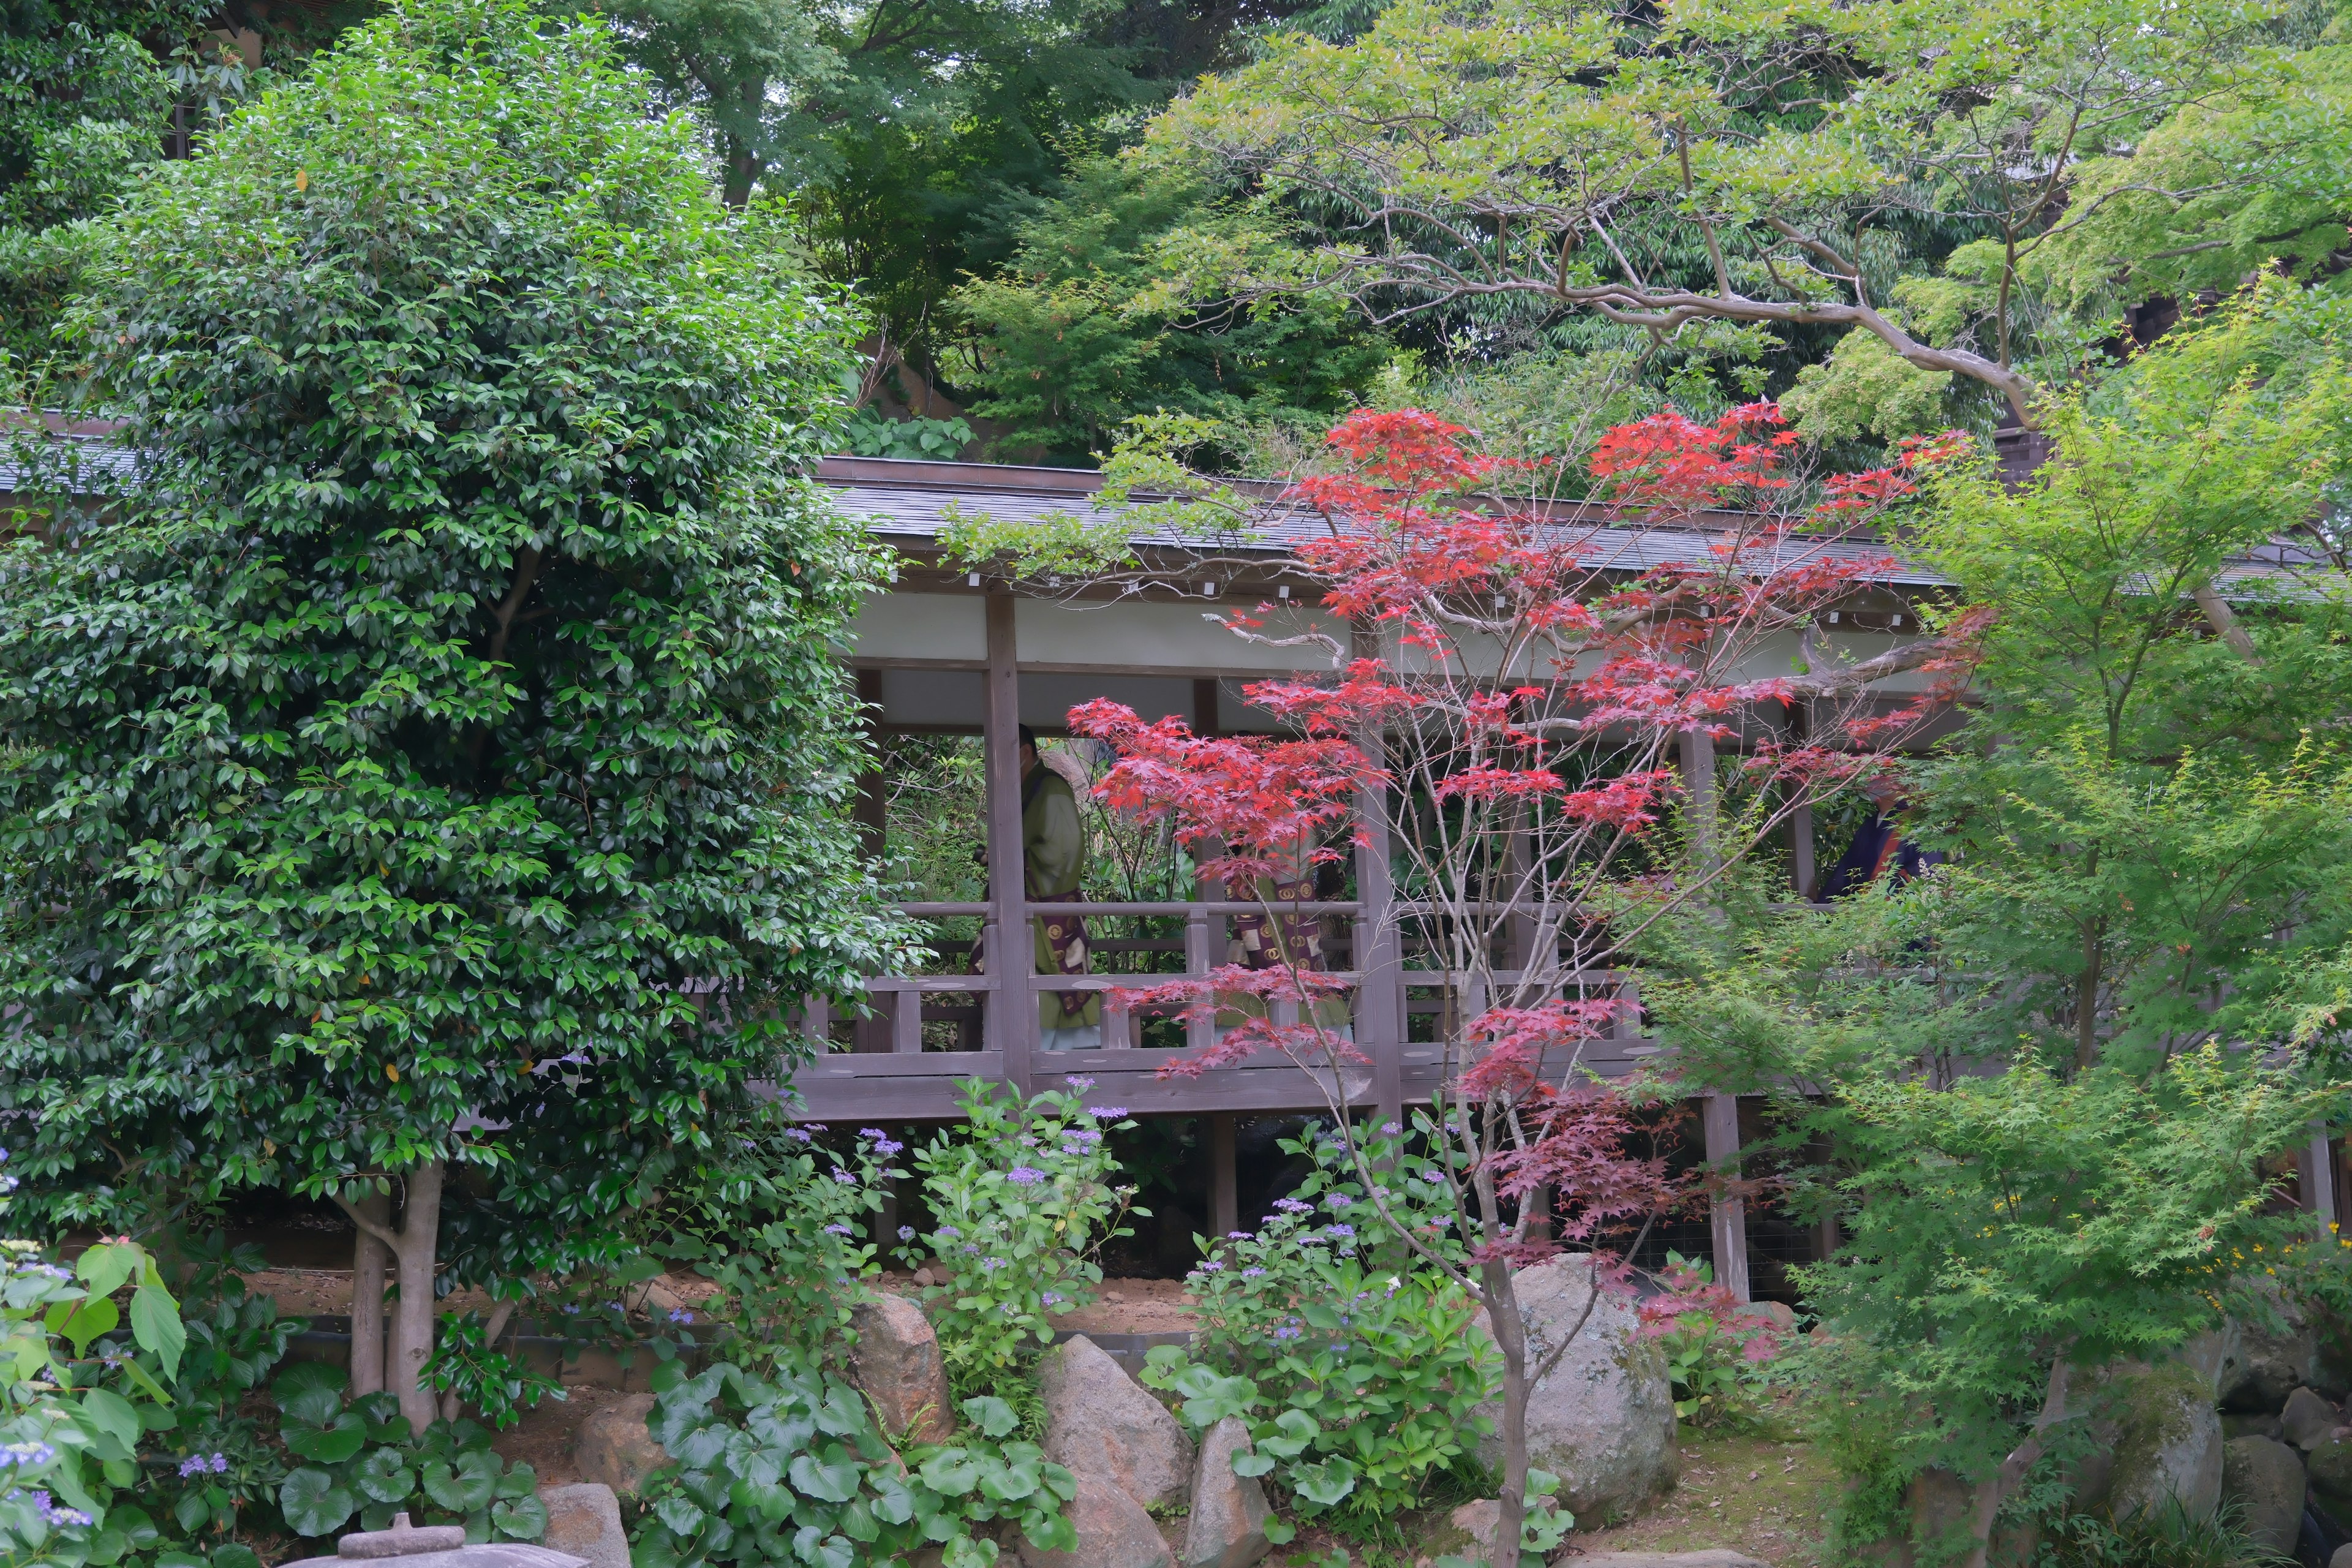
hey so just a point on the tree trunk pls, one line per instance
(412, 1314)
(1995, 1488)
(1501, 1300)
(2086, 1002)
(370, 1261)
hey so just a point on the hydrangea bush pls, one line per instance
(1023, 1197)
(77, 1397)
(1358, 1372)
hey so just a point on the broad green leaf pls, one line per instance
(156, 1323)
(518, 1519)
(831, 1479)
(312, 1503)
(329, 1445)
(464, 1485)
(104, 1268)
(992, 1416)
(382, 1477)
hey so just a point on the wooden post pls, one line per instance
(1224, 1182)
(1727, 1216)
(2313, 1165)
(1699, 778)
(1013, 1014)
(1205, 934)
(1380, 994)
(1800, 851)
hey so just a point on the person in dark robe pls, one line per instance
(1879, 848)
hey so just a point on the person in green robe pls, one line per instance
(1053, 861)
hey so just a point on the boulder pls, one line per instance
(898, 1366)
(1113, 1532)
(2264, 1478)
(2236, 1425)
(1227, 1527)
(1602, 1420)
(2342, 1558)
(1778, 1316)
(2215, 1354)
(2329, 1467)
(614, 1446)
(1101, 1422)
(1478, 1521)
(585, 1520)
(2159, 1438)
(2274, 1358)
(2308, 1420)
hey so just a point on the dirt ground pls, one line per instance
(1755, 1494)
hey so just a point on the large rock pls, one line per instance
(585, 1520)
(614, 1446)
(2308, 1420)
(1602, 1420)
(2330, 1469)
(2264, 1478)
(898, 1366)
(2342, 1558)
(1113, 1532)
(1227, 1528)
(1100, 1422)
(2273, 1359)
(2159, 1438)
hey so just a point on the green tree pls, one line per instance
(2039, 1086)
(1890, 169)
(426, 772)
(1079, 334)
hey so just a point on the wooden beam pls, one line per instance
(1380, 996)
(2316, 1169)
(1012, 1014)
(1728, 1215)
(1225, 1181)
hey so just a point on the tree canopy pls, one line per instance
(431, 752)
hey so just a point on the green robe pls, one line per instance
(1054, 857)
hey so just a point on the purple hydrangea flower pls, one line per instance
(1339, 1230)
(52, 1514)
(839, 1230)
(1292, 1206)
(1252, 1273)
(887, 1147)
(1024, 1175)
(27, 1456)
(1340, 1199)
(1106, 1112)
(1213, 1266)
(906, 1233)
(844, 1177)
(1237, 1236)
(951, 1232)
(1081, 1084)
(799, 1134)
(1391, 1128)
(679, 1316)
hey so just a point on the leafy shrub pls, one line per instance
(362, 1457)
(2170, 1538)
(871, 436)
(223, 1464)
(1359, 1374)
(780, 1227)
(1021, 1202)
(497, 1384)
(789, 1466)
(77, 1401)
(1714, 1344)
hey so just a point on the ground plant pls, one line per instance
(1356, 1366)
(1022, 1196)
(787, 1465)
(359, 1459)
(1715, 1344)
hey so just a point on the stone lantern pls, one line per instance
(437, 1546)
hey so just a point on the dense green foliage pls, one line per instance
(465, 622)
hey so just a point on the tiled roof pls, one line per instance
(908, 502)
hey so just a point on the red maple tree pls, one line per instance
(1506, 712)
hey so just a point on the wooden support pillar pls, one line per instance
(1012, 1014)
(875, 1029)
(1224, 1182)
(1380, 994)
(2316, 1168)
(1698, 779)
(1727, 1216)
(1802, 874)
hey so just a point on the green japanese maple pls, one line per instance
(428, 761)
